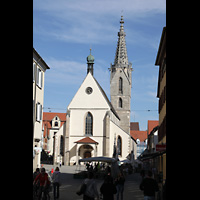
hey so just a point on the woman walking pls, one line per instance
(56, 183)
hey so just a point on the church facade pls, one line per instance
(95, 125)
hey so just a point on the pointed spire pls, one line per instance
(121, 52)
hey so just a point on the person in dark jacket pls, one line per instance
(108, 189)
(119, 181)
(149, 186)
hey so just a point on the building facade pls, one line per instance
(161, 94)
(94, 125)
(39, 68)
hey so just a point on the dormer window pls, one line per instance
(56, 124)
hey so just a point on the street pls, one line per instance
(70, 185)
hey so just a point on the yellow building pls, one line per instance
(161, 94)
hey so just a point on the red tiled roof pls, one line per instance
(141, 135)
(151, 125)
(86, 140)
(48, 116)
(134, 126)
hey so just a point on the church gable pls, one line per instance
(89, 95)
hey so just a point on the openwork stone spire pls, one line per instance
(121, 52)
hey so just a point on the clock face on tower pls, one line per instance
(89, 90)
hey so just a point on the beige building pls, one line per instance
(39, 68)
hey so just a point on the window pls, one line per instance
(56, 124)
(120, 102)
(61, 146)
(39, 77)
(39, 112)
(119, 145)
(120, 85)
(89, 124)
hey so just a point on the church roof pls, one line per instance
(87, 140)
(105, 96)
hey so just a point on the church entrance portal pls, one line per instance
(87, 154)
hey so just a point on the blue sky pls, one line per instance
(64, 31)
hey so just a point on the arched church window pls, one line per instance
(119, 145)
(120, 102)
(56, 124)
(120, 85)
(89, 124)
(61, 146)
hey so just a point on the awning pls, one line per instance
(96, 159)
(151, 155)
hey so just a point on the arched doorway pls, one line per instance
(87, 154)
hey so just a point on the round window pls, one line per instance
(89, 90)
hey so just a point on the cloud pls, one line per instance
(65, 72)
(90, 21)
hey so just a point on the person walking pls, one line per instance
(119, 181)
(56, 182)
(44, 183)
(36, 172)
(108, 189)
(91, 188)
(149, 186)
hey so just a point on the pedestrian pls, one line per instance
(60, 163)
(37, 171)
(119, 182)
(44, 183)
(108, 189)
(56, 182)
(149, 186)
(91, 188)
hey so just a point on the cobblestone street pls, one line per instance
(70, 185)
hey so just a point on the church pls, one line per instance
(95, 125)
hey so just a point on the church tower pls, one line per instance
(120, 81)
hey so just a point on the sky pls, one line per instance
(65, 30)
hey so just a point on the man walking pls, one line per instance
(149, 186)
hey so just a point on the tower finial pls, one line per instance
(90, 50)
(122, 20)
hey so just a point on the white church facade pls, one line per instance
(94, 124)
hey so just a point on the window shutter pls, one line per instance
(38, 112)
(41, 78)
(38, 72)
(33, 71)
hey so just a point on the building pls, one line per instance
(95, 125)
(161, 94)
(39, 68)
(53, 139)
(141, 137)
(121, 81)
